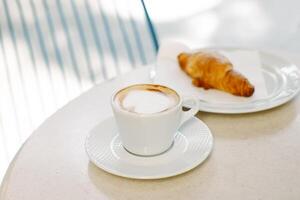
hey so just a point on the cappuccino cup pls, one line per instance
(148, 117)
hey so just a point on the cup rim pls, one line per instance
(113, 104)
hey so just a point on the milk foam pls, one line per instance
(147, 102)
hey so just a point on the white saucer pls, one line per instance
(192, 145)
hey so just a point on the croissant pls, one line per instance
(213, 70)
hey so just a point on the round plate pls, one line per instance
(281, 78)
(191, 146)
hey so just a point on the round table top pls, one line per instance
(256, 156)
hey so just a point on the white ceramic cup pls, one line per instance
(151, 134)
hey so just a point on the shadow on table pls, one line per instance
(115, 187)
(243, 126)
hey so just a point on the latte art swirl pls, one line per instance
(146, 99)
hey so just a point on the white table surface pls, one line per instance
(256, 156)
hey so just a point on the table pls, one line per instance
(256, 156)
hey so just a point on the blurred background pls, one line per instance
(52, 51)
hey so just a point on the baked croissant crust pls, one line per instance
(213, 70)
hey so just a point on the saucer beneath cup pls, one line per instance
(192, 145)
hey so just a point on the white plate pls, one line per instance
(281, 81)
(192, 145)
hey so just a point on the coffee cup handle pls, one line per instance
(194, 108)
